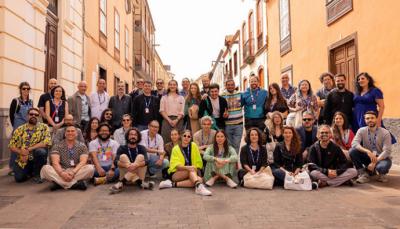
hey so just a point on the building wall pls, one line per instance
(160, 71)
(95, 56)
(377, 39)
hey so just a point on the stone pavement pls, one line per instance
(373, 205)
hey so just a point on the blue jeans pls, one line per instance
(107, 168)
(362, 160)
(279, 175)
(32, 168)
(153, 167)
(234, 134)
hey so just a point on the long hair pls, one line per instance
(337, 136)
(139, 139)
(190, 96)
(226, 145)
(371, 82)
(279, 96)
(295, 143)
(168, 90)
(260, 136)
(271, 124)
(54, 89)
(309, 93)
(21, 85)
(103, 115)
(88, 127)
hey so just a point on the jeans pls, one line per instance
(362, 160)
(107, 168)
(13, 157)
(153, 167)
(234, 134)
(32, 168)
(279, 175)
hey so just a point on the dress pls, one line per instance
(362, 104)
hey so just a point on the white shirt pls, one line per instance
(215, 106)
(155, 143)
(85, 107)
(98, 103)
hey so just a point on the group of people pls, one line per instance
(192, 137)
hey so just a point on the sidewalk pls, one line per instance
(29, 205)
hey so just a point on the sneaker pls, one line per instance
(99, 180)
(165, 184)
(116, 188)
(80, 185)
(363, 178)
(55, 187)
(11, 173)
(382, 178)
(37, 180)
(150, 175)
(148, 185)
(202, 190)
(211, 182)
(314, 185)
(231, 183)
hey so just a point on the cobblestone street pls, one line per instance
(373, 205)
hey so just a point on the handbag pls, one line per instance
(194, 112)
(300, 182)
(270, 150)
(261, 180)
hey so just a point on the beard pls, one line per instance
(340, 86)
(32, 121)
(132, 141)
(104, 137)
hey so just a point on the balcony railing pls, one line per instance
(248, 51)
(260, 41)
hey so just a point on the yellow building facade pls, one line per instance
(307, 38)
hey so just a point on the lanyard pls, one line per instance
(202, 139)
(147, 104)
(130, 153)
(255, 162)
(148, 141)
(71, 152)
(254, 100)
(372, 141)
(103, 149)
(56, 107)
(104, 98)
(187, 157)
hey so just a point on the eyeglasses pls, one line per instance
(25, 88)
(307, 119)
(187, 136)
(31, 114)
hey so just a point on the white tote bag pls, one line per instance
(262, 180)
(300, 182)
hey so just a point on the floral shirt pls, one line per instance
(308, 103)
(24, 137)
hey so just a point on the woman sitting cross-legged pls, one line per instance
(253, 155)
(221, 161)
(287, 156)
(185, 166)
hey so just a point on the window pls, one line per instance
(251, 32)
(235, 65)
(230, 68)
(260, 42)
(336, 9)
(116, 29)
(103, 17)
(116, 82)
(126, 47)
(244, 37)
(284, 21)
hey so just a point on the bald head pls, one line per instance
(52, 83)
(69, 120)
(82, 87)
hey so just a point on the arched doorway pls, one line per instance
(261, 77)
(244, 84)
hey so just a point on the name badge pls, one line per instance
(254, 107)
(254, 167)
(56, 119)
(146, 110)
(104, 157)
(72, 162)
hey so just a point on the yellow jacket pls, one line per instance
(177, 158)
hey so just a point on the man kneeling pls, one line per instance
(132, 162)
(329, 164)
(68, 158)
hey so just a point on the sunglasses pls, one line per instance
(25, 88)
(36, 115)
(187, 136)
(307, 119)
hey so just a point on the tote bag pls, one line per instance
(300, 182)
(262, 180)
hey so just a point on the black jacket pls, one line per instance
(283, 158)
(247, 159)
(223, 105)
(139, 106)
(330, 158)
(338, 101)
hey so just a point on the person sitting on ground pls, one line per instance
(60, 133)
(131, 161)
(119, 134)
(329, 165)
(185, 166)
(371, 149)
(342, 135)
(91, 130)
(103, 150)
(204, 137)
(307, 132)
(68, 158)
(175, 140)
(154, 144)
(253, 155)
(30, 142)
(287, 156)
(221, 161)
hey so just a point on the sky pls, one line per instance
(191, 32)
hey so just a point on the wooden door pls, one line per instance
(261, 77)
(344, 60)
(51, 48)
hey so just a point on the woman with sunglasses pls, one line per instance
(221, 161)
(119, 134)
(185, 166)
(19, 112)
(56, 108)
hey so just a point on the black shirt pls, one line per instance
(309, 140)
(42, 103)
(131, 153)
(119, 107)
(331, 157)
(288, 160)
(250, 157)
(140, 103)
(338, 101)
(187, 154)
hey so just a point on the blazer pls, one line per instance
(75, 107)
(223, 105)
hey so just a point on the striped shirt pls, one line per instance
(235, 110)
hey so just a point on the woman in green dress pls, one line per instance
(221, 161)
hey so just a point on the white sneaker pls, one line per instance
(116, 188)
(231, 183)
(165, 184)
(202, 190)
(382, 178)
(211, 182)
(364, 178)
(148, 185)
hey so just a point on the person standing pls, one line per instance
(192, 105)
(215, 106)
(172, 109)
(253, 100)
(339, 99)
(327, 80)
(275, 102)
(160, 91)
(287, 90)
(99, 99)
(185, 87)
(30, 142)
(206, 84)
(120, 104)
(46, 97)
(69, 169)
(145, 108)
(234, 121)
(138, 90)
(79, 106)
(56, 108)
